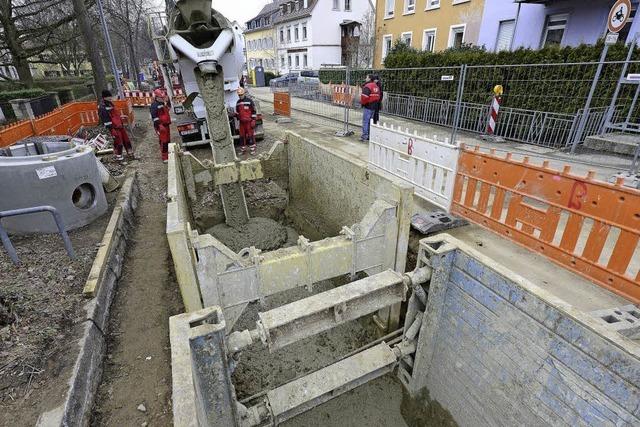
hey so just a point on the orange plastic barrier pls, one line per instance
(589, 226)
(343, 95)
(282, 104)
(139, 98)
(61, 121)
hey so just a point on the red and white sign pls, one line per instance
(619, 15)
(493, 114)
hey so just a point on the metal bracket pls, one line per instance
(305, 245)
(351, 235)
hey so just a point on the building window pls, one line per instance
(288, 34)
(305, 62)
(386, 45)
(505, 35)
(296, 33)
(409, 6)
(281, 35)
(347, 5)
(554, 30)
(429, 40)
(407, 38)
(456, 35)
(289, 61)
(282, 61)
(297, 61)
(336, 4)
(304, 31)
(433, 4)
(389, 8)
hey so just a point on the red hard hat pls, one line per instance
(159, 92)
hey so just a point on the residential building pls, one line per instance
(260, 39)
(309, 32)
(431, 25)
(509, 24)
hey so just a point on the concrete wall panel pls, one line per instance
(500, 350)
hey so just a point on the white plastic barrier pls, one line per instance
(426, 163)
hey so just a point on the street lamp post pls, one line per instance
(107, 40)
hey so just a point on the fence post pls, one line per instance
(346, 131)
(612, 105)
(585, 114)
(460, 92)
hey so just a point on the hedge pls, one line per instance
(6, 96)
(555, 88)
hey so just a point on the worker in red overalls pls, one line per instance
(111, 119)
(246, 115)
(161, 121)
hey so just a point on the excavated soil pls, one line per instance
(263, 233)
(41, 312)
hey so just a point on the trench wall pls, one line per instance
(328, 190)
(496, 350)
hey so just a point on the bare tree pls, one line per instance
(127, 19)
(91, 45)
(27, 29)
(367, 43)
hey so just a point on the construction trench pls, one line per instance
(469, 341)
(309, 300)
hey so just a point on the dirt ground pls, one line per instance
(137, 366)
(41, 311)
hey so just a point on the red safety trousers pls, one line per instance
(161, 122)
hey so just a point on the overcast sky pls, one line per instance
(239, 10)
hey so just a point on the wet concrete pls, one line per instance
(263, 233)
(212, 88)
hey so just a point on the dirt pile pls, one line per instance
(263, 233)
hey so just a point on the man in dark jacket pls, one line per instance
(161, 121)
(370, 101)
(376, 115)
(112, 120)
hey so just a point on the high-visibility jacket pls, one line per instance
(371, 96)
(160, 114)
(245, 110)
(109, 115)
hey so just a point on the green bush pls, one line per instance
(559, 88)
(18, 94)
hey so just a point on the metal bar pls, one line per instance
(614, 98)
(587, 105)
(36, 209)
(299, 396)
(318, 313)
(456, 119)
(112, 57)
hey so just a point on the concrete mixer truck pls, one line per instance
(216, 40)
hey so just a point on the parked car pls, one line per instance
(285, 79)
(309, 76)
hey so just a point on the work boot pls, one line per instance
(119, 157)
(132, 156)
(252, 149)
(243, 150)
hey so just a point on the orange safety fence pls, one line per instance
(282, 104)
(64, 120)
(588, 226)
(139, 98)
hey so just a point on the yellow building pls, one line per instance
(431, 25)
(260, 39)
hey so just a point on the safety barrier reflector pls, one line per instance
(426, 163)
(139, 98)
(589, 226)
(282, 104)
(65, 120)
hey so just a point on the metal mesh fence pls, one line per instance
(542, 104)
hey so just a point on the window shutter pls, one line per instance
(505, 35)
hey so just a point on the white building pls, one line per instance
(308, 32)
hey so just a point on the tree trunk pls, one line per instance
(24, 71)
(91, 44)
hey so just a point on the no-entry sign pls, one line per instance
(619, 15)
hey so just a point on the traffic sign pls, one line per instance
(619, 15)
